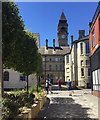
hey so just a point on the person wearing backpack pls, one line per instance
(50, 85)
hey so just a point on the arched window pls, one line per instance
(62, 29)
(6, 76)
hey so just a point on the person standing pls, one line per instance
(50, 86)
(59, 85)
(69, 83)
(47, 86)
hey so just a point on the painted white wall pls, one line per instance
(82, 80)
(67, 68)
(14, 80)
(96, 79)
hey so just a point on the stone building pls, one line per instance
(53, 57)
(79, 63)
(37, 36)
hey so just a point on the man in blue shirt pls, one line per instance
(69, 83)
(50, 85)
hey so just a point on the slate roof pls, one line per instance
(82, 39)
(58, 50)
(62, 16)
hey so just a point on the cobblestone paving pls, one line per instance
(59, 105)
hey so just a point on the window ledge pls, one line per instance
(87, 54)
(81, 54)
(82, 76)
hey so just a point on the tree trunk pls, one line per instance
(37, 83)
(27, 83)
(2, 88)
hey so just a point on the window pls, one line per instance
(50, 67)
(60, 67)
(22, 78)
(81, 48)
(56, 68)
(48, 76)
(49, 59)
(6, 76)
(81, 62)
(82, 72)
(63, 29)
(51, 75)
(87, 62)
(56, 77)
(68, 59)
(93, 38)
(43, 67)
(43, 59)
(60, 77)
(60, 59)
(87, 48)
(88, 72)
(56, 59)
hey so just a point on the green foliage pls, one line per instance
(20, 51)
(10, 108)
(14, 100)
(39, 69)
(33, 89)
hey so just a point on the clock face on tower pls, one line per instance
(63, 36)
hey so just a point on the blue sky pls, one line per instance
(43, 18)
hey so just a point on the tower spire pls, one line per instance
(62, 16)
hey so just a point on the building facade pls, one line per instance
(53, 57)
(94, 31)
(13, 80)
(37, 36)
(79, 63)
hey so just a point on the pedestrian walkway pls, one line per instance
(81, 105)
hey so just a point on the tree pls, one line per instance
(12, 33)
(39, 69)
(19, 47)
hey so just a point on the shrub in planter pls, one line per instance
(10, 108)
(13, 101)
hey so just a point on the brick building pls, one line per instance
(94, 31)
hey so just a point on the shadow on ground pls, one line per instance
(62, 109)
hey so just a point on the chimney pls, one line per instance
(71, 40)
(46, 43)
(54, 44)
(90, 23)
(81, 33)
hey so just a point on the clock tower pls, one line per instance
(62, 31)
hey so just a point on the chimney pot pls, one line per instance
(54, 44)
(81, 33)
(46, 43)
(71, 40)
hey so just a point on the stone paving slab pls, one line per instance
(81, 105)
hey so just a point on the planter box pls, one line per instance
(33, 111)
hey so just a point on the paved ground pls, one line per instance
(59, 105)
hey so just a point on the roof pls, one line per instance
(97, 11)
(82, 39)
(62, 16)
(58, 50)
